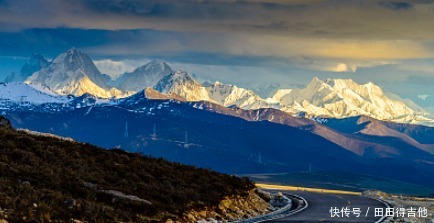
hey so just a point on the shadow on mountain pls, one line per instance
(236, 141)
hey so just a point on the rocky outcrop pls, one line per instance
(231, 208)
(5, 122)
(3, 214)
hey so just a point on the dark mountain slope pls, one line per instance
(45, 179)
(218, 141)
(422, 134)
(232, 140)
(409, 140)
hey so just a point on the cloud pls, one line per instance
(236, 44)
(116, 68)
(313, 19)
(418, 66)
(423, 97)
(347, 32)
(289, 40)
(328, 48)
(242, 75)
(341, 67)
(233, 49)
(396, 5)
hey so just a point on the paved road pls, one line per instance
(320, 204)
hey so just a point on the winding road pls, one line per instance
(321, 203)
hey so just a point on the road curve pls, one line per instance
(320, 204)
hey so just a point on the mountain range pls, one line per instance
(74, 73)
(333, 124)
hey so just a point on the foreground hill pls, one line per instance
(46, 178)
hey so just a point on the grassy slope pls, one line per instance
(40, 177)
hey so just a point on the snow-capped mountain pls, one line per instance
(15, 97)
(340, 98)
(182, 84)
(332, 98)
(35, 63)
(144, 76)
(74, 73)
(24, 94)
(230, 95)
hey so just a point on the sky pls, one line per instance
(251, 43)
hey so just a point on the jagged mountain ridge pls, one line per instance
(230, 95)
(73, 72)
(332, 98)
(182, 84)
(343, 98)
